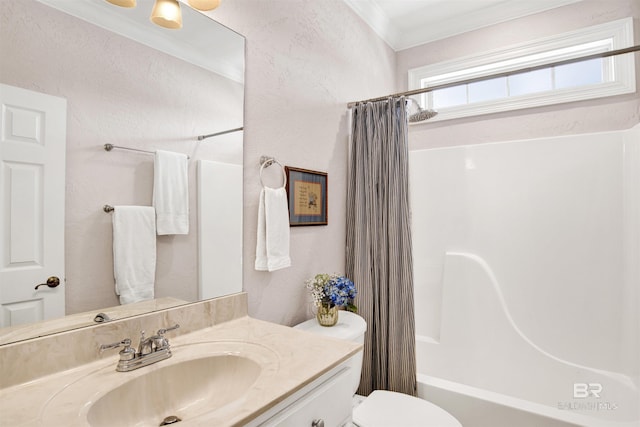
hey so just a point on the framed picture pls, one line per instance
(307, 194)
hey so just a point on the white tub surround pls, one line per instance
(527, 278)
(288, 360)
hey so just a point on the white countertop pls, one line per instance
(290, 360)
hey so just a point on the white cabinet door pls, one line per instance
(32, 189)
(328, 405)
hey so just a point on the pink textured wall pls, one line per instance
(614, 113)
(123, 93)
(305, 61)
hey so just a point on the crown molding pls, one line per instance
(400, 35)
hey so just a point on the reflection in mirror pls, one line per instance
(121, 91)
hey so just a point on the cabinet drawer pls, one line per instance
(330, 402)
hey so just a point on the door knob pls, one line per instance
(52, 282)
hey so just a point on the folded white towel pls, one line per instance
(171, 192)
(272, 248)
(134, 252)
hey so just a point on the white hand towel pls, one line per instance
(171, 192)
(134, 252)
(272, 248)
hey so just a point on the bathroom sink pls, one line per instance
(200, 380)
(183, 390)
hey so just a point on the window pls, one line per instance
(594, 78)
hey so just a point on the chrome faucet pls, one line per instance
(145, 346)
(150, 350)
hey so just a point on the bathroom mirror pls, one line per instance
(132, 84)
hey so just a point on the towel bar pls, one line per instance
(109, 147)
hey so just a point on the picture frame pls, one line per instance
(307, 194)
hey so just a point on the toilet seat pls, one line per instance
(391, 409)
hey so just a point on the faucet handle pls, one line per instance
(125, 342)
(163, 331)
(159, 341)
(127, 353)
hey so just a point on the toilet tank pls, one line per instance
(350, 327)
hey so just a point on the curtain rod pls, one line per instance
(502, 74)
(201, 137)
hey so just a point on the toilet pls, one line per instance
(381, 408)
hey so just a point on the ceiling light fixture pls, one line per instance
(204, 4)
(166, 13)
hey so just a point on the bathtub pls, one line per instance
(526, 280)
(475, 407)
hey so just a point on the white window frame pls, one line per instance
(619, 79)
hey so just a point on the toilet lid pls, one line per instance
(391, 409)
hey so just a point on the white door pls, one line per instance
(32, 173)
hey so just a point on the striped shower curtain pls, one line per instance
(379, 244)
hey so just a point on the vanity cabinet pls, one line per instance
(325, 402)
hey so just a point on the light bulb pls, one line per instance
(166, 13)
(123, 3)
(204, 4)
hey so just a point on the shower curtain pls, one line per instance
(378, 255)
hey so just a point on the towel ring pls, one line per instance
(268, 163)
